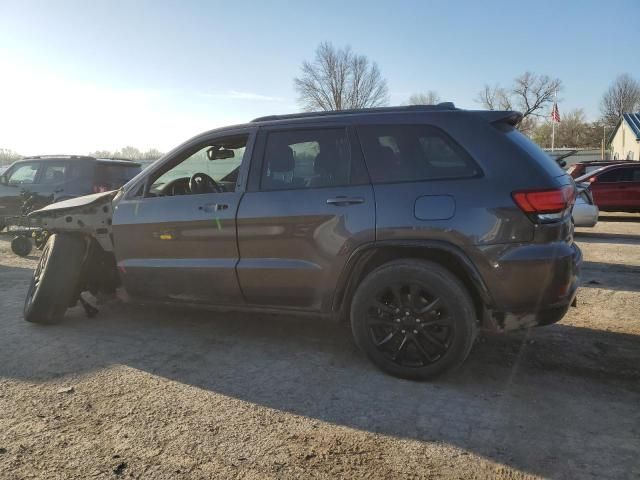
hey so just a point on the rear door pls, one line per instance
(111, 175)
(630, 188)
(310, 205)
(51, 183)
(172, 243)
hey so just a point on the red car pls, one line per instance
(583, 168)
(615, 188)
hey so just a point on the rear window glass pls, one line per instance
(534, 151)
(307, 159)
(114, 176)
(54, 173)
(399, 153)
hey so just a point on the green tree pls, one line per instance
(572, 132)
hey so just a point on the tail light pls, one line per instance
(546, 205)
(100, 188)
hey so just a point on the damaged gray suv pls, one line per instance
(418, 225)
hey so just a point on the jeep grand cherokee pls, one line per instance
(418, 225)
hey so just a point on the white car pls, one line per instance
(585, 212)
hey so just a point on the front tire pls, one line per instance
(413, 319)
(21, 245)
(55, 279)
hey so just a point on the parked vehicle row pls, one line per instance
(615, 188)
(46, 179)
(413, 223)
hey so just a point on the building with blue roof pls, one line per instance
(624, 142)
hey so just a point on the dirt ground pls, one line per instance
(165, 393)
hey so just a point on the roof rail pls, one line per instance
(45, 157)
(119, 159)
(408, 108)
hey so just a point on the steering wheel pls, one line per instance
(203, 183)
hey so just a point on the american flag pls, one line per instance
(555, 114)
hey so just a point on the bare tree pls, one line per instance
(129, 153)
(530, 94)
(623, 96)
(494, 98)
(533, 92)
(8, 156)
(339, 79)
(429, 98)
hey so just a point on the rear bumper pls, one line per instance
(555, 291)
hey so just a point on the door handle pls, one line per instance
(213, 207)
(341, 201)
(59, 190)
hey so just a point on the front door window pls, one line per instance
(23, 174)
(212, 168)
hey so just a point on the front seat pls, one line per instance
(57, 177)
(281, 164)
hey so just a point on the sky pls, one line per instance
(80, 76)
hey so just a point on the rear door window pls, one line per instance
(53, 173)
(110, 177)
(630, 175)
(309, 158)
(400, 153)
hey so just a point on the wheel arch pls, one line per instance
(371, 256)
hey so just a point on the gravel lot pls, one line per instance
(165, 393)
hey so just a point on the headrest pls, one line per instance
(327, 161)
(386, 154)
(281, 158)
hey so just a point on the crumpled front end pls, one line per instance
(90, 215)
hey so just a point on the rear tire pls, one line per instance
(55, 279)
(413, 319)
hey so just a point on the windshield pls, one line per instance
(587, 176)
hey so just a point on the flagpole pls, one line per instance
(553, 121)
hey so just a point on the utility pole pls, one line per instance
(553, 132)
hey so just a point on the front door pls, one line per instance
(609, 191)
(16, 189)
(310, 205)
(176, 241)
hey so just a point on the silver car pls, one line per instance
(585, 212)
